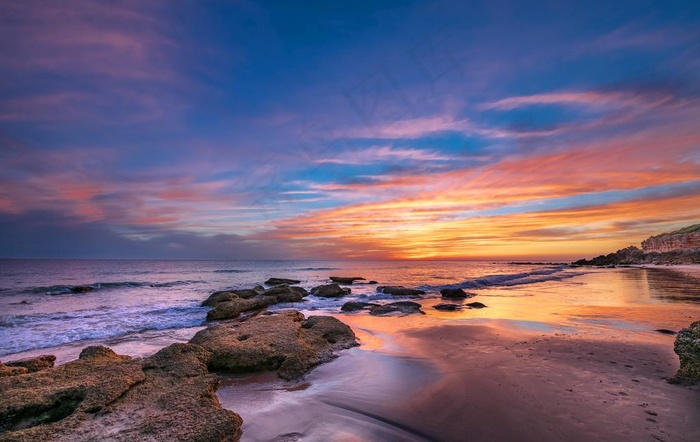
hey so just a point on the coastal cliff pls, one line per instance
(678, 247)
(683, 239)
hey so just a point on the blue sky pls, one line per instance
(264, 130)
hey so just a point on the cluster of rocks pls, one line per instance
(229, 304)
(168, 396)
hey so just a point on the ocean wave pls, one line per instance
(231, 271)
(85, 288)
(34, 331)
(513, 279)
(308, 269)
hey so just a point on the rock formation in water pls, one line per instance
(105, 396)
(678, 247)
(687, 347)
(287, 342)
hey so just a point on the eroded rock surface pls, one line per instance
(287, 342)
(105, 396)
(687, 347)
(229, 304)
(330, 291)
(278, 281)
(34, 364)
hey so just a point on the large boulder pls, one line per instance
(330, 291)
(34, 364)
(231, 309)
(287, 342)
(346, 279)
(229, 295)
(402, 307)
(285, 293)
(398, 290)
(278, 281)
(455, 294)
(105, 396)
(687, 347)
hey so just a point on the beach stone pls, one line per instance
(330, 291)
(353, 306)
(397, 290)
(278, 281)
(34, 364)
(105, 396)
(687, 347)
(456, 294)
(231, 309)
(665, 331)
(447, 307)
(404, 307)
(287, 342)
(476, 305)
(346, 279)
(373, 282)
(285, 293)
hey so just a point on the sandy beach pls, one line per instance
(575, 373)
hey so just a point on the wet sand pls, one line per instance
(557, 370)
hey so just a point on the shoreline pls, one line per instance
(456, 381)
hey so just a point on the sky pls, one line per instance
(346, 130)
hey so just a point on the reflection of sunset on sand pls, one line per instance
(578, 360)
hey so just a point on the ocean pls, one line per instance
(137, 301)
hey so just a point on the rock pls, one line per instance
(665, 331)
(105, 396)
(285, 293)
(278, 281)
(81, 289)
(686, 238)
(475, 305)
(447, 307)
(330, 291)
(233, 308)
(346, 279)
(6, 371)
(221, 296)
(373, 282)
(34, 364)
(456, 294)
(687, 347)
(404, 307)
(287, 342)
(397, 290)
(353, 306)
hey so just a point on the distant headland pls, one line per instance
(678, 247)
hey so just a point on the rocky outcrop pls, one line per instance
(105, 396)
(356, 306)
(346, 279)
(6, 371)
(687, 347)
(679, 247)
(683, 239)
(398, 290)
(229, 304)
(330, 291)
(447, 307)
(455, 294)
(34, 364)
(475, 305)
(278, 281)
(286, 342)
(402, 307)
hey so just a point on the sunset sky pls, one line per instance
(363, 129)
